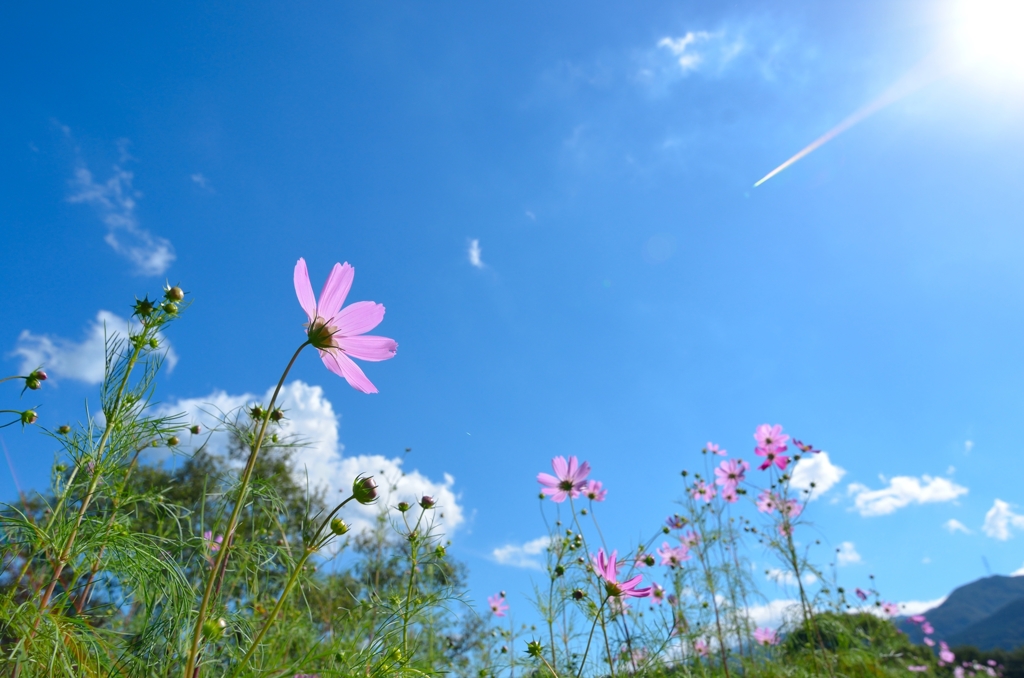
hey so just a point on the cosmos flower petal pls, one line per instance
(547, 480)
(343, 366)
(304, 290)
(368, 347)
(339, 282)
(560, 466)
(358, 318)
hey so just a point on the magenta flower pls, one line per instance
(772, 456)
(804, 447)
(715, 449)
(785, 529)
(731, 473)
(700, 646)
(766, 502)
(497, 604)
(213, 544)
(765, 636)
(594, 490)
(606, 569)
(568, 479)
(339, 334)
(771, 437)
(861, 593)
(673, 556)
(891, 609)
(703, 491)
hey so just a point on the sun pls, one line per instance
(990, 34)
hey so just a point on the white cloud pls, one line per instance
(953, 526)
(912, 607)
(522, 555)
(787, 578)
(114, 202)
(817, 469)
(311, 416)
(1000, 521)
(968, 446)
(903, 491)
(684, 49)
(1018, 572)
(82, 360)
(774, 613)
(847, 554)
(474, 253)
(699, 51)
(201, 181)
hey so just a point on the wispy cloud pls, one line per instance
(847, 554)
(787, 578)
(79, 360)
(201, 181)
(903, 491)
(522, 555)
(819, 470)
(686, 49)
(474, 253)
(114, 201)
(1000, 521)
(310, 415)
(953, 526)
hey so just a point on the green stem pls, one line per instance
(221, 560)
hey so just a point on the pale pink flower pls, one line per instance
(497, 604)
(772, 457)
(917, 669)
(958, 672)
(771, 437)
(730, 473)
(786, 529)
(929, 642)
(729, 495)
(927, 629)
(657, 593)
(700, 646)
(765, 636)
(945, 654)
(917, 619)
(691, 538)
(673, 556)
(594, 490)
(339, 334)
(211, 542)
(891, 609)
(568, 480)
(606, 569)
(791, 509)
(644, 560)
(715, 449)
(703, 491)
(766, 502)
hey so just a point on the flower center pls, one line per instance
(321, 335)
(565, 485)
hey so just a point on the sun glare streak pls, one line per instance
(925, 72)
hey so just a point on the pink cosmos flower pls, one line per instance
(791, 509)
(673, 556)
(703, 491)
(772, 456)
(765, 636)
(891, 609)
(568, 479)
(771, 437)
(339, 334)
(594, 490)
(700, 646)
(958, 672)
(861, 593)
(917, 619)
(804, 447)
(927, 629)
(730, 473)
(606, 569)
(929, 642)
(945, 654)
(657, 593)
(729, 495)
(690, 538)
(213, 544)
(497, 604)
(786, 529)
(766, 502)
(644, 560)
(715, 449)
(676, 522)
(917, 669)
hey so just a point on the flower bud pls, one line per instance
(427, 502)
(439, 551)
(29, 417)
(39, 374)
(64, 429)
(170, 308)
(153, 343)
(195, 430)
(559, 570)
(256, 412)
(578, 594)
(32, 383)
(214, 628)
(534, 648)
(338, 526)
(402, 506)
(143, 308)
(173, 441)
(174, 294)
(364, 489)
(277, 414)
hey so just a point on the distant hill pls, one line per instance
(986, 613)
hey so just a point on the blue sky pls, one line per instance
(631, 297)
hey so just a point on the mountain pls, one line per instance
(964, 618)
